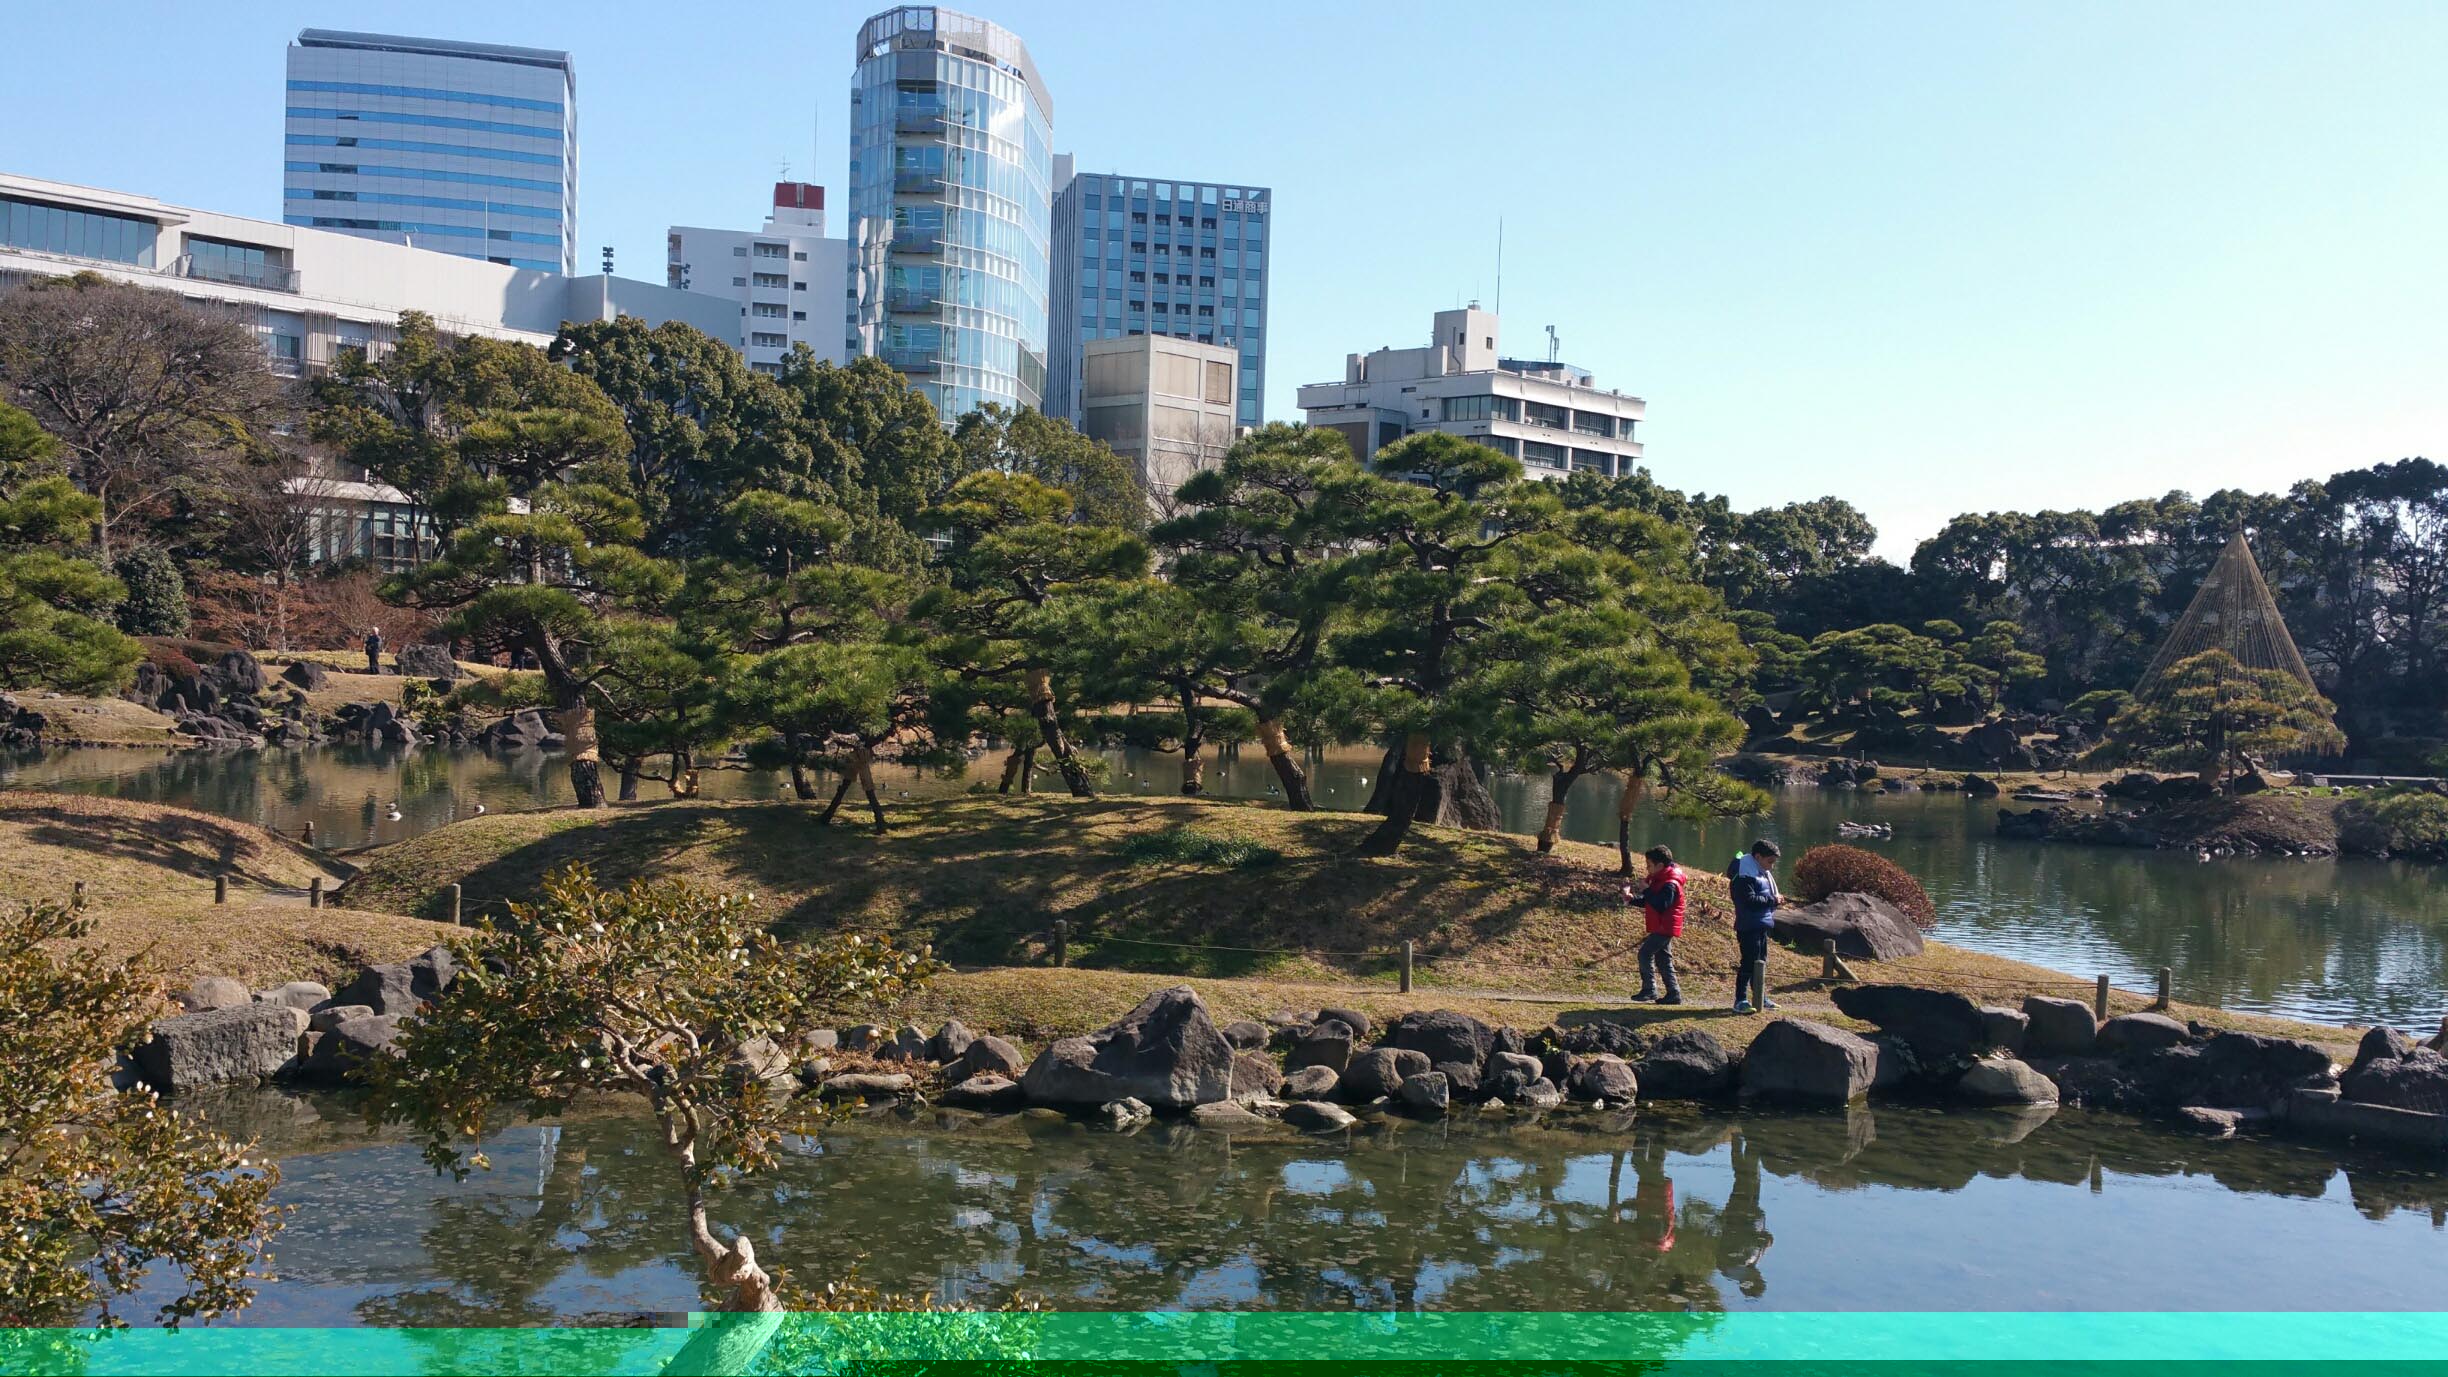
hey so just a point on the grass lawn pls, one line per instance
(73, 720)
(148, 874)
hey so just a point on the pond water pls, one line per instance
(1674, 1208)
(2336, 941)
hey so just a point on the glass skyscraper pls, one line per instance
(467, 148)
(951, 176)
(1149, 255)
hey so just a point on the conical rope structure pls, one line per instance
(2233, 612)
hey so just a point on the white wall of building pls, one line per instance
(785, 282)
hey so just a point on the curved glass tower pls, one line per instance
(951, 202)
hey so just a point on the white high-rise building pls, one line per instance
(466, 148)
(787, 277)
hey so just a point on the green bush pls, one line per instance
(1195, 846)
(156, 601)
(2412, 823)
(1826, 870)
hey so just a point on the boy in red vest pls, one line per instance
(1661, 903)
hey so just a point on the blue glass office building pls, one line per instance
(1149, 255)
(951, 175)
(466, 148)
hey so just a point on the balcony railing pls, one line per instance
(916, 241)
(917, 183)
(910, 360)
(911, 301)
(918, 121)
(265, 276)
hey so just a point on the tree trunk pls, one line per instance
(1049, 727)
(825, 818)
(801, 785)
(1194, 769)
(862, 764)
(1288, 771)
(731, 1267)
(1028, 771)
(586, 757)
(1626, 803)
(683, 782)
(1402, 801)
(628, 780)
(1011, 771)
(1551, 829)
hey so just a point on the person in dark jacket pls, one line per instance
(1752, 880)
(1661, 902)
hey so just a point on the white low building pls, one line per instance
(1164, 404)
(787, 279)
(1552, 416)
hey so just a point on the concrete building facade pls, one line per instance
(1142, 255)
(1166, 405)
(1551, 416)
(787, 278)
(950, 200)
(464, 148)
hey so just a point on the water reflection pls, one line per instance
(2348, 941)
(1691, 1211)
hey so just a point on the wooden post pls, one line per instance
(1827, 959)
(2099, 1000)
(455, 895)
(221, 888)
(77, 895)
(2167, 993)
(310, 832)
(1062, 941)
(1408, 953)
(314, 892)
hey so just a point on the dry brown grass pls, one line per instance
(74, 720)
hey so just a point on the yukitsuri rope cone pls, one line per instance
(2233, 612)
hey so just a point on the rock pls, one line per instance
(865, 1037)
(1428, 1092)
(1557, 1065)
(307, 675)
(1310, 1083)
(1540, 1094)
(1247, 1035)
(1606, 1078)
(1940, 1026)
(2059, 1027)
(428, 661)
(1125, 1114)
(1461, 1077)
(351, 1042)
(1690, 1065)
(1864, 927)
(820, 1040)
(986, 1092)
(1316, 1116)
(1328, 1044)
(235, 1044)
(1255, 1076)
(987, 1055)
(761, 1059)
(1166, 1052)
(950, 1042)
(2324, 1113)
(1353, 1019)
(327, 1016)
(909, 1043)
(1795, 1059)
(2127, 1034)
(2210, 1123)
(389, 988)
(214, 992)
(1604, 1035)
(1443, 1035)
(297, 994)
(2381, 1043)
(867, 1085)
(2005, 1029)
(1380, 1071)
(1508, 1074)
(2416, 1081)
(2004, 1080)
(2247, 1069)
(1227, 1116)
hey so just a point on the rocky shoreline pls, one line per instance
(1326, 1069)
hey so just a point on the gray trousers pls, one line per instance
(1657, 964)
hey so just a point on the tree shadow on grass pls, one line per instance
(180, 843)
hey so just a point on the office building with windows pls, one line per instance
(1164, 404)
(465, 148)
(787, 277)
(951, 169)
(1552, 416)
(1148, 256)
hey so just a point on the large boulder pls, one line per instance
(351, 1042)
(1606, 1078)
(1940, 1026)
(2416, 1080)
(307, 675)
(238, 674)
(398, 987)
(214, 992)
(1380, 1072)
(2004, 1080)
(1690, 1065)
(1508, 1074)
(950, 1042)
(987, 1055)
(909, 1043)
(1311, 1083)
(2006, 1028)
(1328, 1043)
(1166, 1052)
(2132, 1034)
(2251, 1070)
(297, 994)
(1255, 1076)
(2059, 1027)
(236, 1045)
(1353, 1019)
(1428, 1092)
(326, 1016)
(525, 730)
(986, 1092)
(1864, 927)
(1248, 1035)
(867, 1085)
(1316, 1116)
(428, 661)
(1442, 1035)
(1795, 1059)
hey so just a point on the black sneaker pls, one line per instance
(1672, 999)
(1643, 997)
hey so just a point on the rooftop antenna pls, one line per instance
(1551, 344)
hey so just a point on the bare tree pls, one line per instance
(154, 399)
(279, 513)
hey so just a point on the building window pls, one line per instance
(739, 250)
(76, 233)
(739, 282)
(764, 340)
(798, 315)
(775, 280)
(1541, 453)
(772, 250)
(769, 310)
(1480, 408)
(798, 286)
(799, 257)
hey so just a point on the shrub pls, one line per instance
(156, 601)
(1191, 846)
(2398, 822)
(1826, 870)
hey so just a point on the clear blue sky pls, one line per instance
(1930, 257)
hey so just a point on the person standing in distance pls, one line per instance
(1752, 879)
(1661, 902)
